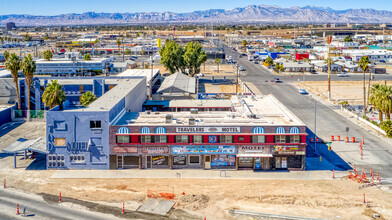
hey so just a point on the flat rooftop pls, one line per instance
(139, 72)
(112, 97)
(200, 103)
(249, 110)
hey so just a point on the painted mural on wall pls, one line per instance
(203, 150)
(222, 160)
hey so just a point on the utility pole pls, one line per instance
(315, 119)
(236, 82)
(152, 73)
(329, 39)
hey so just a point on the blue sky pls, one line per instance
(53, 7)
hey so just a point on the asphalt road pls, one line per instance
(328, 122)
(37, 208)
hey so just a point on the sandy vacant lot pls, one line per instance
(352, 91)
(213, 198)
(210, 69)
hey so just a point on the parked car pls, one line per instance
(303, 91)
(242, 68)
(382, 61)
(342, 74)
(199, 75)
(256, 62)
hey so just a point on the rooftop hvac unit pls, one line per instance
(192, 121)
(169, 118)
(148, 112)
(194, 111)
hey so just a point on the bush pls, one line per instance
(387, 127)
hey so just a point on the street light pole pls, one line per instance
(152, 73)
(236, 82)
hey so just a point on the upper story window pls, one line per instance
(198, 139)
(123, 139)
(294, 139)
(226, 139)
(160, 139)
(258, 139)
(280, 139)
(145, 139)
(95, 124)
(182, 139)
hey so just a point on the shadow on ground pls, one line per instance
(39, 163)
(329, 159)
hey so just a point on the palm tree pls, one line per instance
(53, 95)
(87, 57)
(363, 63)
(118, 44)
(244, 44)
(13, 64)
(386, 100)
(87, 98)
(375, 99)
(28, 67)
(217, 61)
(6, 55)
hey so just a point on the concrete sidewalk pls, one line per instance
(195, 174)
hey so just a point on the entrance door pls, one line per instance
(149, 163)
(265, 161)
(119, 162)
(207, 162)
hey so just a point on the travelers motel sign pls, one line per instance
(208, 129)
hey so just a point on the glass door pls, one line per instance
(119, 162)
(149, 163)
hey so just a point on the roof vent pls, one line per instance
(192, 121)
(169, 118)
(194, 110)
(148, 112)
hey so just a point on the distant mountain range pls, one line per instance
(249, 14)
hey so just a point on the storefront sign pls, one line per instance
(222, 160)
(208, 129)
(289, 150)
(155, 150)
(203, 149)
(127, 150)
(252, 149)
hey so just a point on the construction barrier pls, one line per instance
(17, 208)
(317, 139)
(364, 200)
(354, 168)
(332, 138)
(311, 140)
(156, 195)
(123, 210)
(346, 139)
(363, 140)
(353, 139)
(333, 174)
(338, 138)
(60, 197)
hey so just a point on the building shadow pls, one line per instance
(329, 159)
(39, 163)
(6, 128)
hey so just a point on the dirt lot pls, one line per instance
(203, 197)
(211, 69)
(352, 91)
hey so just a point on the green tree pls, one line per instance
(27, 37)
(172, 57)
(6, 55)
(118, 42)
(87, 98)
(48, 55)
(87, 57)
(14, 64)
(127, 51)
(364, 65)
(347, 39)
(142, 52)
(269, 61)
(217, 61)
(53, 95)
(29, 68)
(244, 44)
(194, 56)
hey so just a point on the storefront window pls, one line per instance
(160, 139)
(280, 139)
(280, 162)
(198, 139)
(179, 160)
(258, 139)
(194, 159)
(294, 139)
(145, 139)
(245, 162)
(182, 139)
(123, 139)
(160, 160)
(225, 139)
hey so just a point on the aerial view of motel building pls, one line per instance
(124, 130)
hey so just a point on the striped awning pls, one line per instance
(145, 130)
(294, 130)
(258, 130)
(160, 130)
(123, 130)
(280, 130)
